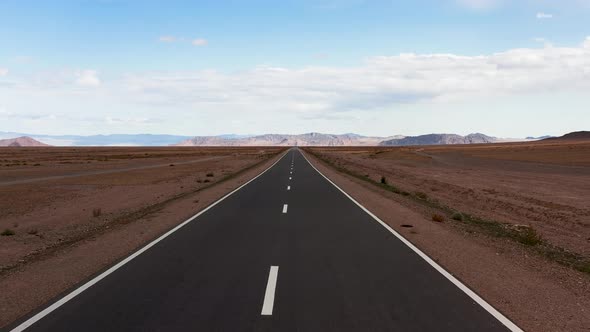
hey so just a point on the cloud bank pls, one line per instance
(380, 85)
(380, 82)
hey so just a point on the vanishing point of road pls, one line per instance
(288, 251)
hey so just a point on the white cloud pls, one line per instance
(381, 82)
(3, 71)
(383, 86)
(200, 42)
(167, 39)
(542, 16)
(480, 4)
(88, 78)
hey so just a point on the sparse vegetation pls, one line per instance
(96, 212)
(438, 217)
(529, 236)
(421, 195)
(7, 232)
(33, 231)
(383, 180)
(458, 216)
(210, 174)
(207, 181)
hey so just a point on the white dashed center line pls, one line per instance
(288, 187)
(269, 295)
(285, 208)
(289, 178)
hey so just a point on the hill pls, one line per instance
(21, 141)
(440, 139)
(573, 136)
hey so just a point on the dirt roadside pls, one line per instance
(33, 281)
(537, 294)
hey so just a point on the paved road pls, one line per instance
(287, 252)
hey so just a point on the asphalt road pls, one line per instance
(287, 252)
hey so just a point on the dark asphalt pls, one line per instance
(339, 270)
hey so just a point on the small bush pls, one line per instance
(210, 175)
(171, 165)
(37, 164)
(457, 216)
(421, 195)
(207, 180)
(529, 236)
(96, 212)
(7, 232)
(383, 180)
(438, 218)
(33, 231)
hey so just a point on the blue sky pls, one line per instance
(373, 67)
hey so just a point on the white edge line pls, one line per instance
(115, 267)
(499, 316)
(269, 294)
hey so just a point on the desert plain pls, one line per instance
(511, 220)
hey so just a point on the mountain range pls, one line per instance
(440, 139)
(308, 139)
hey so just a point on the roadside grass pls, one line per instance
(525, 235)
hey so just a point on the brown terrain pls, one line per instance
(67, 213)
(521, 238)
(512, 220)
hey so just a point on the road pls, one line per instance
(287, 252)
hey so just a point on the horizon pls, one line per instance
(381, 68)
(238, 136)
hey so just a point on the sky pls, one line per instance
(506, 68)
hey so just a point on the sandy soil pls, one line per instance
(60, 237)
(539, 184)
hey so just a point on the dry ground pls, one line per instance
(74, 211)
(542, 281)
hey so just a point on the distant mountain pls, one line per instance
(309, 139)
(21, 141)
(103, 140)
(573, 136)
(440, 139)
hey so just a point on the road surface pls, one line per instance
(287, 252)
